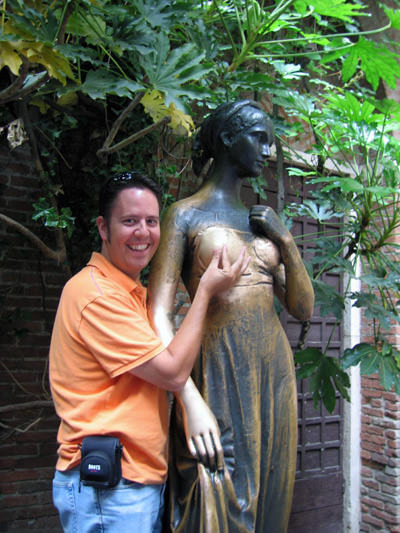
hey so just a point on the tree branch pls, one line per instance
(26, 405)
(9, 92)
(133, 137)
(67, 13)
(117, 124)
(59, 256)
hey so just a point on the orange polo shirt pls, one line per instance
(101, 332)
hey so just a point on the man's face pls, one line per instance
(250, 149)
(131, 236)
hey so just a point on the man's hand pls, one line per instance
(220, 274)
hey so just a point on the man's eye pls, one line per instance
(152, 221)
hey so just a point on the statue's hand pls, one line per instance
(264, 221)
(203, 435)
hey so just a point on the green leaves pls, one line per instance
(324, 374)
(393, 15)
(382, 359)
(53, 219)
(376, 60)
(318, 211)
(169, 70)
(100, 83)
(338, 9)
(329, 301)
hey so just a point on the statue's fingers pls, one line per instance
(192, 448)
(201, 452)
(219, 451)
(211, 452)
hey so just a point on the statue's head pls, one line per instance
(221, 129)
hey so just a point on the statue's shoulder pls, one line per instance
(184, 208)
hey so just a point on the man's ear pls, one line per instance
(102, 228)
(226, 138)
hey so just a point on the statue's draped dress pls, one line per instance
(245, 373)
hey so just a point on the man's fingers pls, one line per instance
(224, 260)
(215, 260)
(241, 263)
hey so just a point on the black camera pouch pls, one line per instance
(101, 461)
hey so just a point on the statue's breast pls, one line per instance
(264, 254)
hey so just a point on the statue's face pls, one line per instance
(250, 148)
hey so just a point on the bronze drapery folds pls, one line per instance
(245, 371)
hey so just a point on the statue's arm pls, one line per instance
(292, 283)
(203, 436)
(201, 428)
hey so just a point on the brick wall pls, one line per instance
(380, 456)
(29, 291)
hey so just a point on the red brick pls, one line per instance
(371, 484)
(372, 502)
(388, 518)
(374, 521)
(372, 412)
(371, 446)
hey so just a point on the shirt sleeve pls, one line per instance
(118, 334)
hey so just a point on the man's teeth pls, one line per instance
(138, 247)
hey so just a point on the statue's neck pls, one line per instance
(224, 182)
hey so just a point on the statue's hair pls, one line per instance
(226, 117)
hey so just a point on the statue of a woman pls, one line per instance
(234, 471)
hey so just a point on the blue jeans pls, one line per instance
(127, 507)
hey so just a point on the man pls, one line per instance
(109, 372)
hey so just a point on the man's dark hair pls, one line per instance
(125, 180)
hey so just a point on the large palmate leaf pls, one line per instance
(338, 9)
(101, 82)
(154, 104)
(328, 299)
(325, 375)
(374, 309)
(376, 61)
(36, 53)
(169, 70)
(383, 361)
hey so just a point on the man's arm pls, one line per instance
(171, 368)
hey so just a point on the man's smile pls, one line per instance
(138, 247)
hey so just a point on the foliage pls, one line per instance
(361, 189)
(85, 74)
(53, 219)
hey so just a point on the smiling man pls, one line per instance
(109, 371)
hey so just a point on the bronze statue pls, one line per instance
(245, 371)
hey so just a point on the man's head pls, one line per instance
(129, 221)
(115, 184)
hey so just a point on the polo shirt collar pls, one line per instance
(110, 271)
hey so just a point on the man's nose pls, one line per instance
(141, 228)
